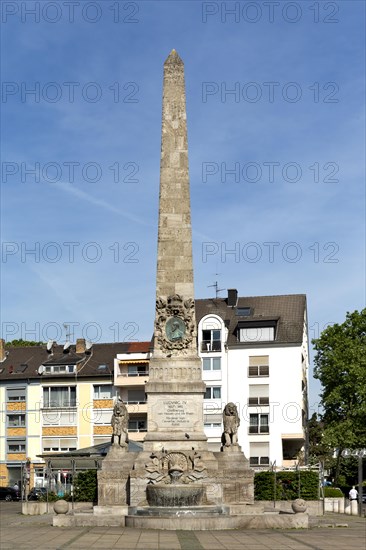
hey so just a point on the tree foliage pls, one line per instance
(319, 450)
(19, 343)
(340, 365)
(286, 485)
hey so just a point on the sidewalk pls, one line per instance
(36, 532)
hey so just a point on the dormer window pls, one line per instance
(256, 331)
(59, 369)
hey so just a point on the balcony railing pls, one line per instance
(136, 402)
(210, 345)
(60, 405)
(140, 373)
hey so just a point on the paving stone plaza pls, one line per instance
(37, 532)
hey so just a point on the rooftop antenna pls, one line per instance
(216, 287)
(68, 333)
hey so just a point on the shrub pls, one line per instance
(289, 485)
(333, 492)
(86, 486)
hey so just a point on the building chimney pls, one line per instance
(232, 297)
(2, 350)
(80, 345)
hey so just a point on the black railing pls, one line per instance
(210, 345)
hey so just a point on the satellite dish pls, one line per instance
(67, 346)
(49, 345)
(88, 344)
(41, 369)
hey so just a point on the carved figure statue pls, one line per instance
(231, 423)
(119, 423)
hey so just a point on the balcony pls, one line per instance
(209, 346)
(132, 379)
(136, 406)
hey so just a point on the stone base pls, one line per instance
(200, 518)
(189, 522)
(88, 520)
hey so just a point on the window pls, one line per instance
(212, 420)
(136, 396)
(59, 444)
(59, 418)
(137, 425)
(256, 334)
(59, 369)
(59, 396)
(259, 454)
(211, 363)
(258, 394)
(258, 365)
(211, 340)
(137, 370)
(102, 416)
(16, 446)
(103, 391)
(213, 392)
(258, 424)
(243, 311)
(16, 394)
(102, 367)
(16, 420)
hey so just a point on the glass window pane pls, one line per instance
(206, 364)
(253, 419)
(207, 393)
(216, 393)
(216, 361)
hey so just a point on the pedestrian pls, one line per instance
(16, 486)
(353, 494)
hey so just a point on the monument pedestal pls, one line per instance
(113, 478)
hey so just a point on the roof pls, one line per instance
(23, 362)
(86, 458)
(286, 310)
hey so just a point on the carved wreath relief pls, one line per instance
(170, 468)
(174, 325)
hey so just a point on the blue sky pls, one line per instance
(292, 130)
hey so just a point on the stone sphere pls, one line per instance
(61, 507)
(299, 506)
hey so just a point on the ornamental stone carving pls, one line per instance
(231, 423)
(173, 467)
(175, 324)
(119, 423)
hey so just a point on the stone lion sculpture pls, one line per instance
(119, 423)
(231, 423)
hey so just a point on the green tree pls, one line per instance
(340, 365)
(20, 343)
(319, 451)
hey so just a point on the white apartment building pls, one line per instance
(254, 353)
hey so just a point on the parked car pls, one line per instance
(9, 493)
(37, 493)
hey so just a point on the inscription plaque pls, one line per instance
(176, 413)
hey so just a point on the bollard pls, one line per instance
(354, 508)
(347, 509)
(341, 505)
(335, 506)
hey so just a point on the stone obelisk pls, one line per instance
(175, 388)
